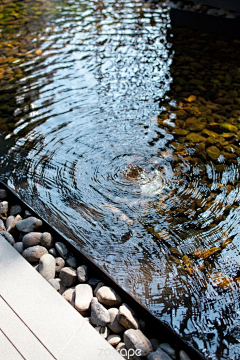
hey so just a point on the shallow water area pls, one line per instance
(124, 134)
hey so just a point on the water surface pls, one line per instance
(124, 134)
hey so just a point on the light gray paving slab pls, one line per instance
(88, 344)
(20, 335)
(7, 350)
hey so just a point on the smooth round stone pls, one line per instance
(71, 261)
(53, 252)
(99, 314)
(82, 274)
(3, 209)
(7, 236)
(114, 324)
(3, 194)
(31, 239)
(46, 240)
(159, 354)
(83, 297)
(28, 225)
(19, 247)
(11, 222)
(168, 350)
(127, 317)
(103, 331)
(99, 285)
(114, 339)
(60, 263)
(34, 253)
(55, 283)
(68, 276)
(183, 355)
(213, 152)
(15, 210)
(107, 296)
(47, 266)
(2, 226)
(69, 295)
(62, 250)
(135, 339)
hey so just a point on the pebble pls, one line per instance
(31, 239)
(2, 226)
(114, 325)
(11, 222)
(99, 314)
(3, 194)
(183, 355)
(213, 153)
(19, 247)
(62, 250)
(135, 339)
(168, 350)
(127, 317)
(99, 285)
(7, 236)
(53, 252)
(114, 339)
(69, 295)
(71, 261)
(103, 331)
(59, 264)
(15, 210)
(82, 274)
(55, 283)
(107, 296)
(34, 253)
(47, 266)
(46, 240)
(28, 225)
(84, 295)
(159, 354)
(68, 276)
(3, 209)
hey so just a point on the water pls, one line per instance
(124, 134)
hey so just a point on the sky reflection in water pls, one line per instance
(96, 134)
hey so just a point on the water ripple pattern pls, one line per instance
(100, 133)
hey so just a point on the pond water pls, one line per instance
(124, 134)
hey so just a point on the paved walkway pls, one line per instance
(36, 323)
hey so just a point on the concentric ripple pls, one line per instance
(124, 135)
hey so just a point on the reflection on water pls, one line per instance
(124, 133)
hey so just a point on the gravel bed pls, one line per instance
(98, 303)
